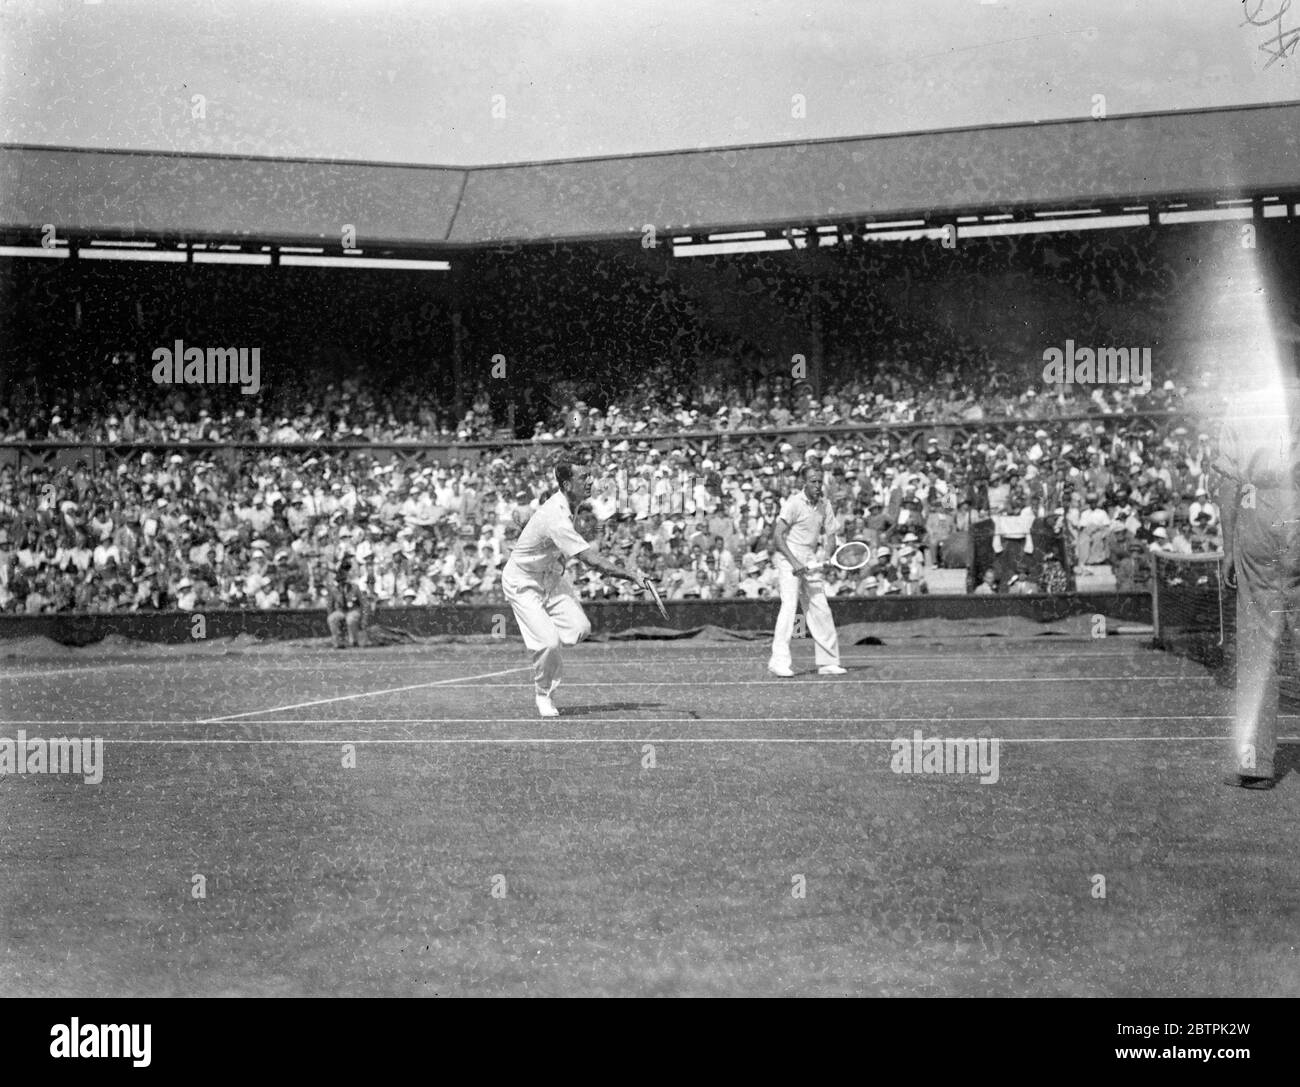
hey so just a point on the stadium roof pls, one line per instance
(1241, 151)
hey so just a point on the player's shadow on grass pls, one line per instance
(607, 707)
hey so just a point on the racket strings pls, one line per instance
(852, 556)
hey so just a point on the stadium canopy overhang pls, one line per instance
(1153, 161)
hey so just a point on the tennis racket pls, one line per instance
(649, 587)
(853, 555)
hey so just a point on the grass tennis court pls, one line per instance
(618, 879)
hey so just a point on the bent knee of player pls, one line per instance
(578, 634)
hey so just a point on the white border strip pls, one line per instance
(589, 740)
(361, 694)
(807, 676)
(575, 718)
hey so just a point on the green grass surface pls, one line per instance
(623, 880)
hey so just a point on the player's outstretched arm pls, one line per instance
(593, 558)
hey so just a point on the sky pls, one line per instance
(490, 81)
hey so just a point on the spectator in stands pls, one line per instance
(1018, 586)
(1202, 504)
(878, 523)
(1094, 527)
(1203, 538)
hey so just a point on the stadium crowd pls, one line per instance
(119, 408)
(262, 528)
(883, 370)
(695, 463)
(370, 410)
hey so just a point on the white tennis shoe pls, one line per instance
(545, 707)
(783, 672)
(831, 670)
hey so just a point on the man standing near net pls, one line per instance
(544, 601)
(806, 518)
(1259, 463)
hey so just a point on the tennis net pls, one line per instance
(1195, 615)
(1191, 609)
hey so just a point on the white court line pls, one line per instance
(506, 741)
(575, 718)
(468, 680)
(757, 659)
(307, 666)
(802, 677)
(577, 660)
(361, 694)
(74, 670)
(841, 682)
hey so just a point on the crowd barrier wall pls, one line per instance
(607, 617)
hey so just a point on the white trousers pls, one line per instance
(808, 593)
(549, 616)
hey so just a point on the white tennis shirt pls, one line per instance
(548, 539)
(808, 522)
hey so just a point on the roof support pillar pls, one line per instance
(459, 272)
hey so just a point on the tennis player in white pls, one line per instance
(805, 519)
(544, 601)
